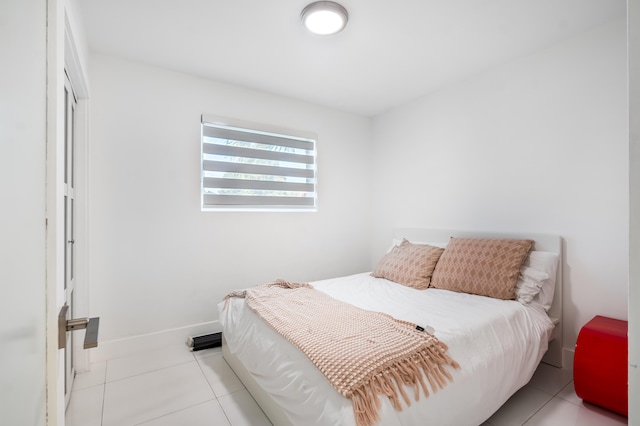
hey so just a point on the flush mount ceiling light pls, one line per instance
(324, 17)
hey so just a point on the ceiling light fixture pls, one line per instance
(324, 17)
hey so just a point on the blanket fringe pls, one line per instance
(236, 293)
(277, 283)
(391, 380)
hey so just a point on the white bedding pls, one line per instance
(497, 343)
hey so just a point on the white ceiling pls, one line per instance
(390, 53)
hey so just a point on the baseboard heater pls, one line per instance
(207, 341)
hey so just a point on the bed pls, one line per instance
(497, 343)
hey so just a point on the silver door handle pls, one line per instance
(65, 325)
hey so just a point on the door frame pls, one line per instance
(77, 76)
(63, 53)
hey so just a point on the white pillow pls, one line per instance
(547, 263)
(530, 281)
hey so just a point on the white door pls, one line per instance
(62, 122)
(70, 103)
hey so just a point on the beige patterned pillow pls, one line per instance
(488, 267)
(409, 264)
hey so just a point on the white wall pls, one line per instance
(634, 210)
(22, 216)
(76, 47)
(539, 145)
(156, 262)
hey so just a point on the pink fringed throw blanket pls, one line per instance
(363, 354)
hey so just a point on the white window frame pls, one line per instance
(256, 167)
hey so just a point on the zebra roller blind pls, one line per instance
(247, 167)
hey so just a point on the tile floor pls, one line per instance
(175, 387)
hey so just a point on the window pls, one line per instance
(252, 167)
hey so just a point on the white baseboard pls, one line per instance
(122, 347)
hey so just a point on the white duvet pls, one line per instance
(497, 343)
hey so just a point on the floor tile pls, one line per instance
(175, 386)
(242, 410)
(151, 395)
(560, 412)
(220, 376)
(144, 362)
(520, 407)
(95, 376)
(207, 352)
(206, 414)
(568, 393)
(550, 379)
(85, 407)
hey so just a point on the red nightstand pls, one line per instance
(600, 364)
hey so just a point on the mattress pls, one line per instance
(497, 343)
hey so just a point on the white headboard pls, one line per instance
(543, 242)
